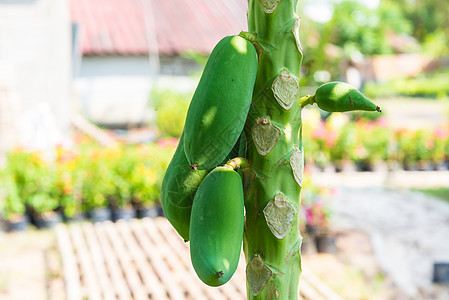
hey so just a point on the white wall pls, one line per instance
(35, 41)
(115, 90)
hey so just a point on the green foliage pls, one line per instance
(171, 111)
(42, 203)
(372, 143)
(353, 31)
(31, 182)
(358, 28)
(435, 85)
(12, 204)
(430, 21)
(345, 143)
(438, 192)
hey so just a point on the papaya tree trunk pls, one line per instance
(273, 183)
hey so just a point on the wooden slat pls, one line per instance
(184, 271)
(70, 268)
(119, 284)
(89, 280)
(181, 251)
(173, 241)
(152, 251)
(127, 265)
(97, 258)
(143, 266)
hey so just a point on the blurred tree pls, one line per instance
(430, 23)
(354, 30)
(355, 27)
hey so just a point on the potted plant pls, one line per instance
(345, 144)
(119, 200)
(373, 144)
(437, 142)
(323, 140)
(42, 208)
(94, 178)
(65, 188)
(405, 149)
(423, 144)
(13, 207)
(314, 133)
(315, 205)
(145, 192)
(121, 171)
(35, 181)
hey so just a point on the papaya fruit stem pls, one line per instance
(306, 100)
(237, 163)
(252, 37)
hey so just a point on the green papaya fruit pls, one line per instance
(178, 190)
(216, 226)
(220, 104)
(341, 97)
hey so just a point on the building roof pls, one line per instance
(133, 27)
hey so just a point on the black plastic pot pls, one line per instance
(121, 214)
(325, 244)
(151, 212)
(364, 166)
(47, 220)
(441, 272)
(18, 224)
(312, 230)
(308, 246)
(75, 218)
(99, 214)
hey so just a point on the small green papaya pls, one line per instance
(341, 97)
(216, 226)
(220, 104)
(178, 190)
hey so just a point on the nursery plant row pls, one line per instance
(367, 143)
(85, 181)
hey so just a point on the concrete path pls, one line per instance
(409, 232)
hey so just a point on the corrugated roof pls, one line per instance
(124, 27)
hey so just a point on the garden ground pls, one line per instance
(387, 240)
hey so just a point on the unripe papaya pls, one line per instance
(220, 104)
(178, 190)
(341, 97)
(216, 226)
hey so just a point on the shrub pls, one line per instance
(171, 109)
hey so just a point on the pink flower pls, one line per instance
(168, 143)
(382, 122)
(441, 133)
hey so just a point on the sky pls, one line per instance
(321, 10)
